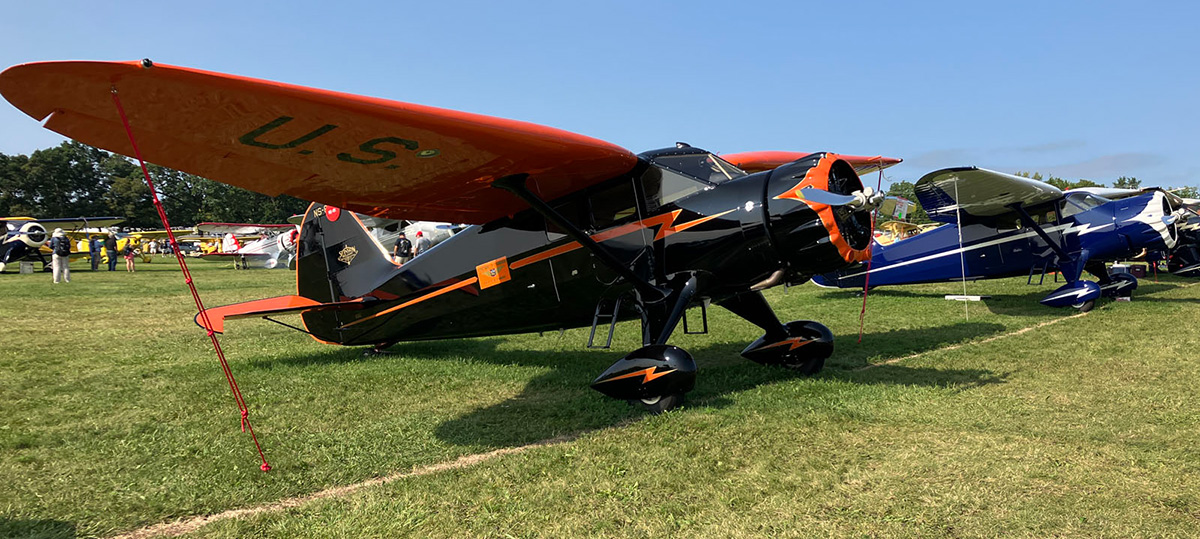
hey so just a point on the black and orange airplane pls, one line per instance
(568, 231)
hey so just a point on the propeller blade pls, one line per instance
(821, 196)
(867, 198)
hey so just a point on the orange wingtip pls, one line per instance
(767, 160)
(369, 155)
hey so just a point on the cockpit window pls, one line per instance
(1081, 202)
(705, 167)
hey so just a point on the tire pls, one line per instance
(658, 405)
(1085, 306)
(806, 366)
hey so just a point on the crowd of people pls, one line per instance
(404, 250)
(101, 247)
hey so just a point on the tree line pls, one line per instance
(77, 180)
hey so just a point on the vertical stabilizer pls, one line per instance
(336, 258)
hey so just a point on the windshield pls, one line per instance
(1081, 202)
(705, 167)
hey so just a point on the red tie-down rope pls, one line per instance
(862, 314)
(187, 278)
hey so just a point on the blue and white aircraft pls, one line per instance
(1000, 225)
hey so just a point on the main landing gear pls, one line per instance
(657, 375)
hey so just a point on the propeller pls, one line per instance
(867, 198)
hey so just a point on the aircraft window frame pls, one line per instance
(1082, 203)
(617, 190)
(719, 171)
(673, 186)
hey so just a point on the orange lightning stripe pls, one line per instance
(435, 293)
(647, 374)
(796, 342)
(665, 223)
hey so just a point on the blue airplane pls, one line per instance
(1000, 225)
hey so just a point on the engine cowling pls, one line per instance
(811, 237)
(32, 234)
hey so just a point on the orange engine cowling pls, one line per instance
(812, 237)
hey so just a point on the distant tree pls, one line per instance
(906, 190)
(1186, 192)
(14, 194)
(1127, 182)
(1059, 182)
(76, 180)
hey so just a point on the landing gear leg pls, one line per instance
(802, 345)
(1117, 285)
(656, 376)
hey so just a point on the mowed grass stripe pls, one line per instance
(180, 527)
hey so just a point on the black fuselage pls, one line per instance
(729, 235)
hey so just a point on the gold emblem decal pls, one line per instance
(492, 273)
(347, 254)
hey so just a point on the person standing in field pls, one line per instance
(110, 248)
(95, 245)
(129, 254)
(423, 244)
(60, 249)
(402, 250)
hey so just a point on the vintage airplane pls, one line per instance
(894, 231)
(387, 231)
(1183, 259)
(568, 231)
(1000, 225)
(25, 237)
(248, 244)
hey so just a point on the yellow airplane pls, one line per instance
(124, 239)
(25, 238)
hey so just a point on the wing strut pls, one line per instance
(515, 184)
(1067, 262)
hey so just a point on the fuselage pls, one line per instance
(728, 229)
(1087, 225)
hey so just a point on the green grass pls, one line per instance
(116, 416)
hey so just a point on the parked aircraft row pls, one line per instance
(570, 231)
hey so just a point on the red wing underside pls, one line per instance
(374, 156)
(267, 307)
(760, 161)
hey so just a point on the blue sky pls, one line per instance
(1090, 90)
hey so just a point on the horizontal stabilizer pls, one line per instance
(268, 306)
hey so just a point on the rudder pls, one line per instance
(336, 258)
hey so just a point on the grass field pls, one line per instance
(116, 417)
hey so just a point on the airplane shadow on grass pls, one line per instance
(1025, 304)
(560, 402)
(48, 529)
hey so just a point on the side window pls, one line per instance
(664, 186)
(614, 205)
(576, 211)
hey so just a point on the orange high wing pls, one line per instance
(373, 156)
(760, 161)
